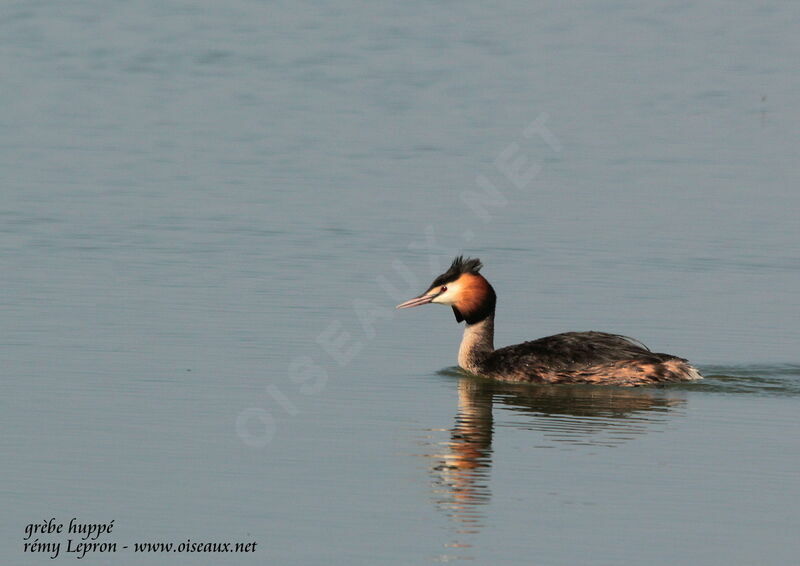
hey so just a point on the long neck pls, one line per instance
(477, 343)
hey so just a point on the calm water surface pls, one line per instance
(200, 199)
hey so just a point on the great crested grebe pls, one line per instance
(572, 357)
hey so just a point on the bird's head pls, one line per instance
(463, 288)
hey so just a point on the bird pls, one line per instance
(589, 357)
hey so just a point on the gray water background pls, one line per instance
(195, 192)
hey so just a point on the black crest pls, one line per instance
(459, 266)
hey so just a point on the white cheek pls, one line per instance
(448, 297)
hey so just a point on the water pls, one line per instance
(195, 194)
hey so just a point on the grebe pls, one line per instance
(572, 357)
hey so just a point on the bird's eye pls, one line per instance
(444, 288)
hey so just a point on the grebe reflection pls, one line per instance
(576, 415)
